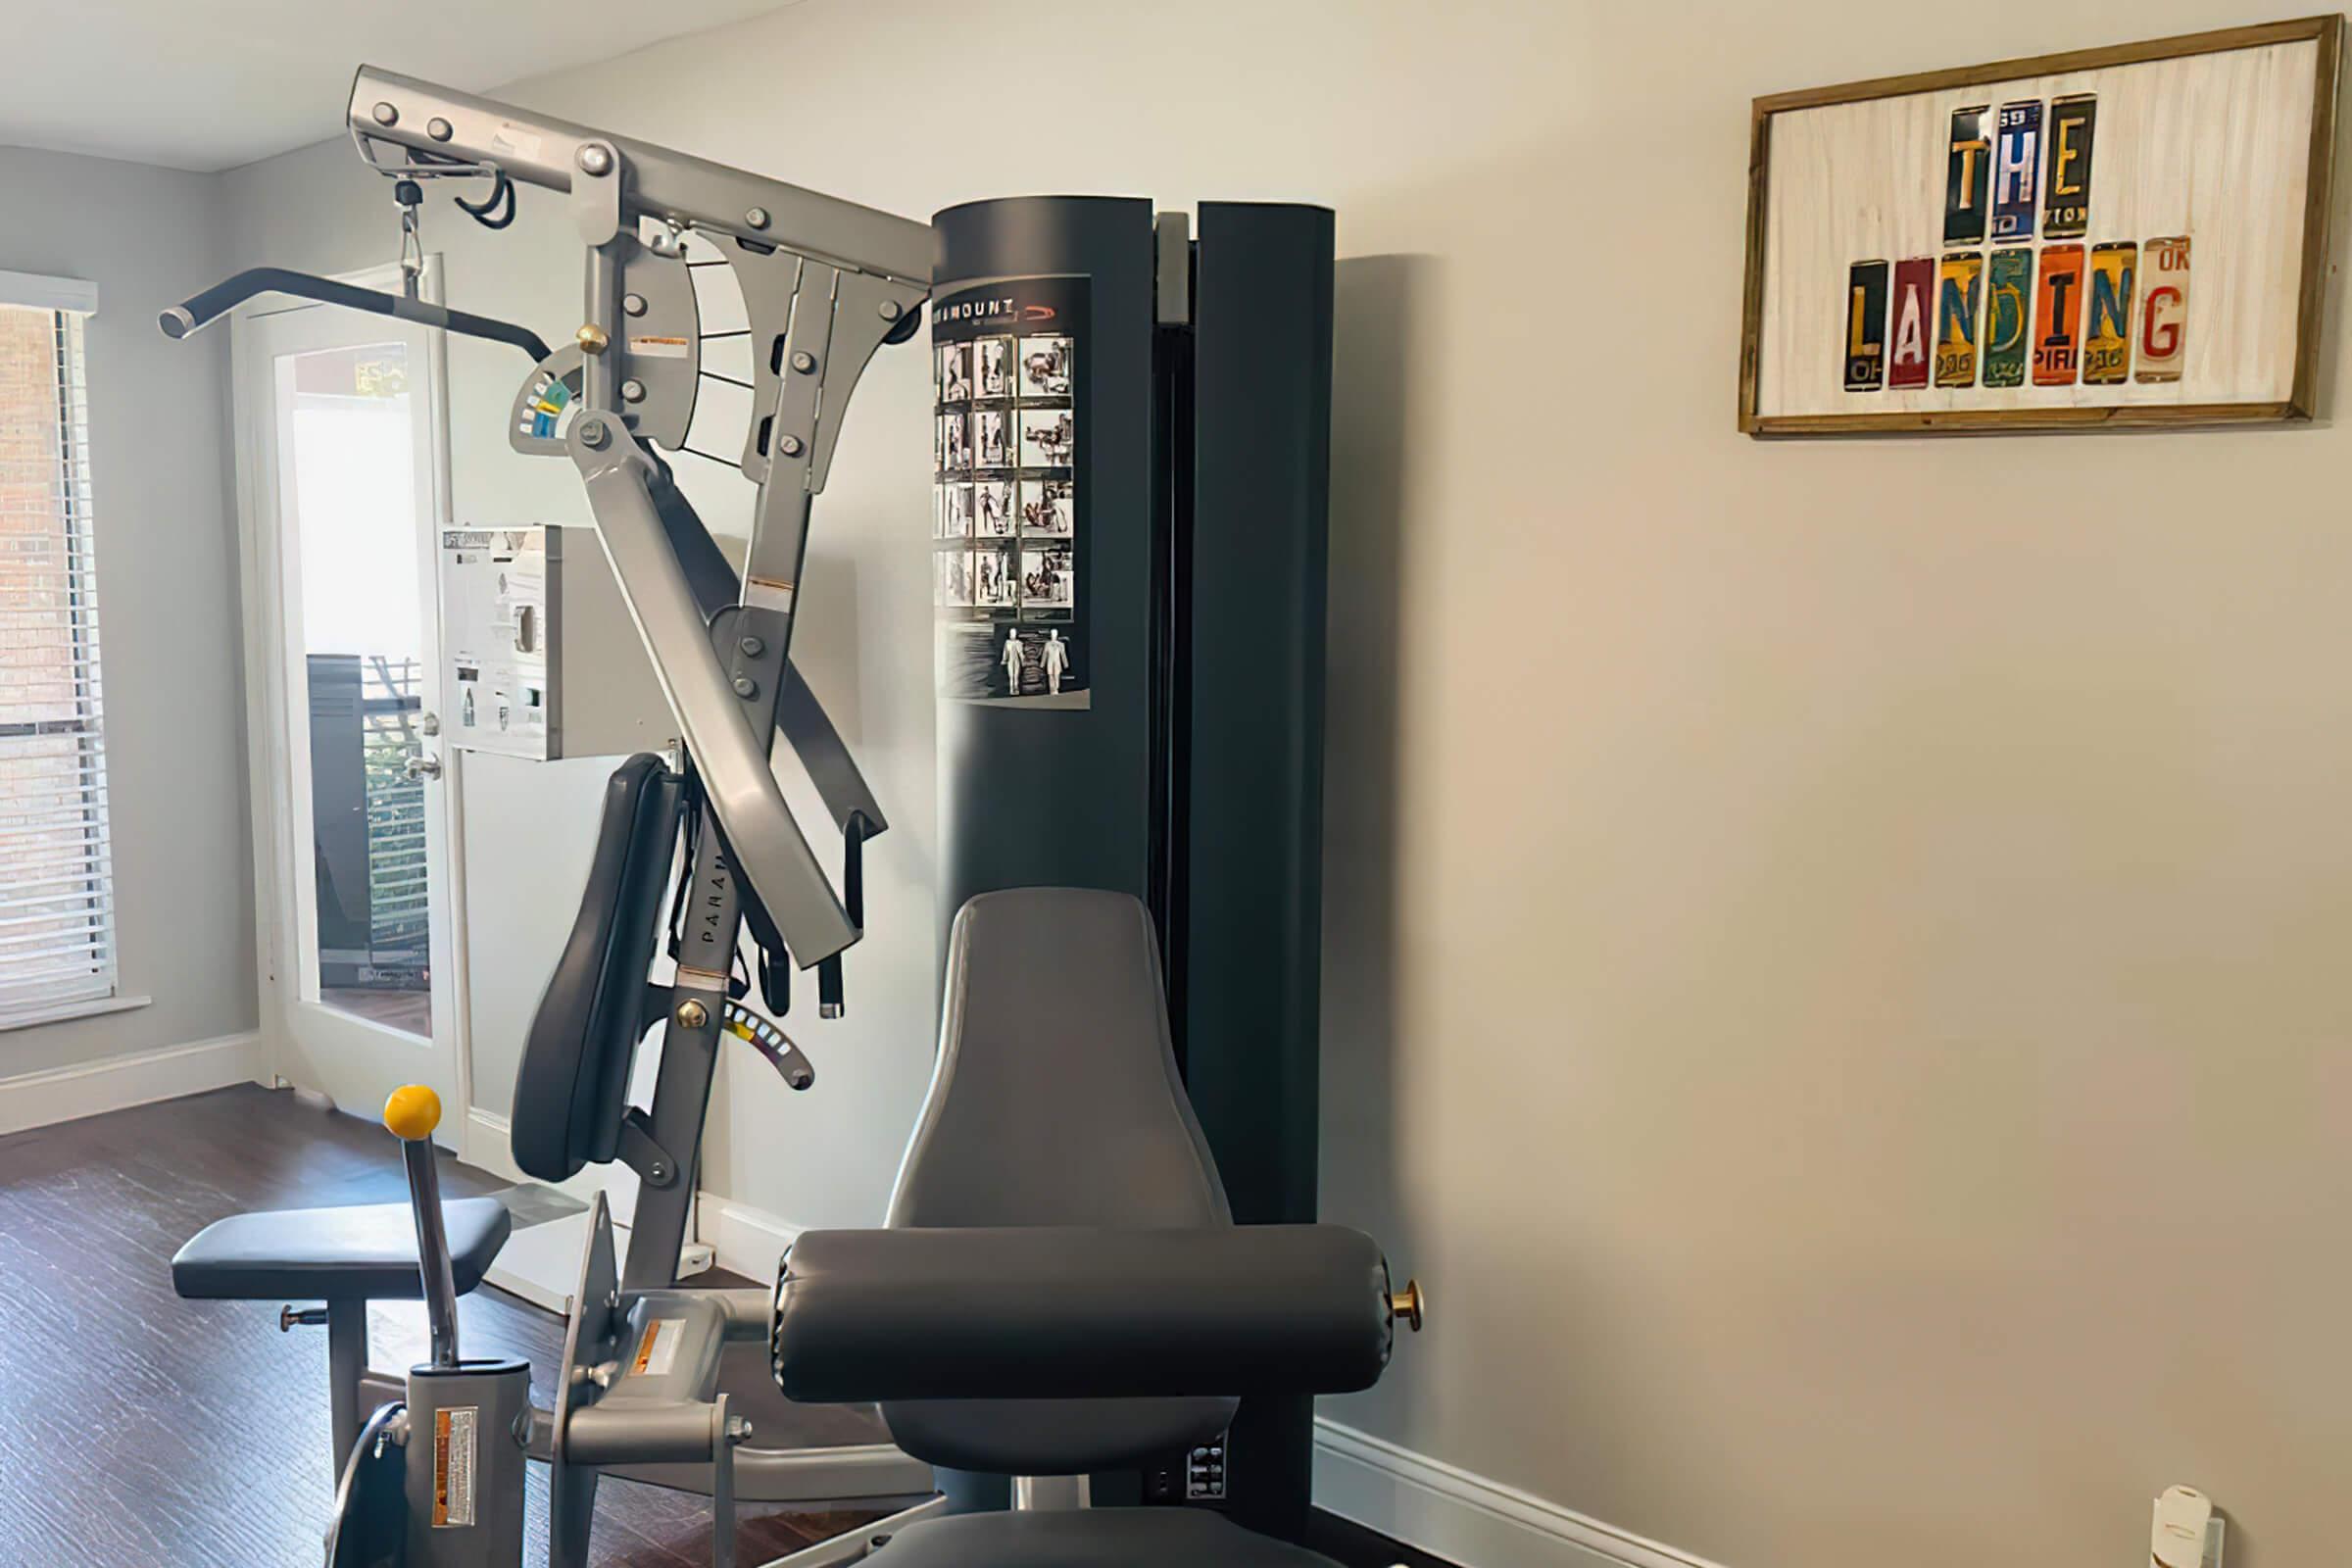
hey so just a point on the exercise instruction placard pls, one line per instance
(1009, 521)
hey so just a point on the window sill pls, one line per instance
(95, 1007)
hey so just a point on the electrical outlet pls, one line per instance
(2176, 1521)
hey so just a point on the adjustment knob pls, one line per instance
(412, 1113)
(1405, 1306)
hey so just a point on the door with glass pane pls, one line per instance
(341, 432)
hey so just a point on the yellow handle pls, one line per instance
(412, 1112)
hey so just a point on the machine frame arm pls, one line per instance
(800, 713)
(825, 283)
(676, 188)
(732, 759)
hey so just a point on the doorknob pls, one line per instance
(421, 767)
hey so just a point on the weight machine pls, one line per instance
(433, 1476)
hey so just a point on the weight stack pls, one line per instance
(1132, 443)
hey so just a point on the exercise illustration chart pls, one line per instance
(1009, 521)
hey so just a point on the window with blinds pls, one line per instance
(57, 924)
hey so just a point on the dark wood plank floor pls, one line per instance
(138, 1429)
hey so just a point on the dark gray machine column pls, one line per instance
(1181, 759)
(1251, 834)
(1035, 791)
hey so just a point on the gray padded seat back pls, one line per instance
(1055, 1100)
(572, 1088)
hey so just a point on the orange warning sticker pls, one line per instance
(454, 1452)
(658, 1348)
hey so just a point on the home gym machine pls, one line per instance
(826, 283)
(1175, 753)
(1006, 1323)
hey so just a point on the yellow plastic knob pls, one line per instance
(412, 1112)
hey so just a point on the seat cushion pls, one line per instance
(1090, 1537)
(1056, 1101)
(318, 1254)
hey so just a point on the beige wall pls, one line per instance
(166, 598)
(1836, 963)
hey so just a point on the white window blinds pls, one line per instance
(57, 926)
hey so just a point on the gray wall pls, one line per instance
(1839, 989)
(167, 598)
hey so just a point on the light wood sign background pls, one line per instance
(2134, 235)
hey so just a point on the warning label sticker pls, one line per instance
(456, 1452)
(657, 1350)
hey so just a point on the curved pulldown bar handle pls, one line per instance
(200, 311)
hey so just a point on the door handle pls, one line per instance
(421, 767)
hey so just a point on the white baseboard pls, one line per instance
(1466, 1518)
(485, 1143)
(747, 1240)
(137, 1078)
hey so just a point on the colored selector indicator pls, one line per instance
(771, 1042)
(548, 399)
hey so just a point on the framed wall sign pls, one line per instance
(2125, 236)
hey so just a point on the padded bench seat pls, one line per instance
(323, 1255)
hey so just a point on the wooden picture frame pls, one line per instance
(2270, 380)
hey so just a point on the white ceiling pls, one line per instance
(210, 84)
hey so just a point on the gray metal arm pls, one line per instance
(825, 283)
(800, 713)
(432, 1248)
(690, 191)
(769, 848)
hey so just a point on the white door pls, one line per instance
(342, 439)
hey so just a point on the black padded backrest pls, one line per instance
(573, 1084)
(1056, 1101)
